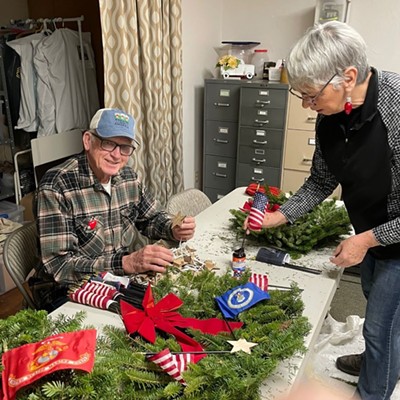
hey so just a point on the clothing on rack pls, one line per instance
(28, 119)
(60, 85)
(58, 92)
(12, 68)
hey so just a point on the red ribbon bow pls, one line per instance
(164, 317)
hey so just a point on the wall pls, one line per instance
(201, 21)
(277, 25)
(15, 9)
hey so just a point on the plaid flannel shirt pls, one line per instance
(322, 183)
(70, 197)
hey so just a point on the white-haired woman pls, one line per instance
(358, 147)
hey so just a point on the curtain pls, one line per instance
(142, 45)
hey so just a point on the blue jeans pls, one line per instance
(380, 371)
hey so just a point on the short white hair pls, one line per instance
(327, 49)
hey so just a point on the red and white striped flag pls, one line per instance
(257, 212)
(100, 288)
(95, 294)
(260, 280)
(91, 299)
(175, 364)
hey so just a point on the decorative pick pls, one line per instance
(241, 345)
(177, 219)
(150, 353)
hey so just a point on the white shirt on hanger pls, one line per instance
(59, 68)
(28, 118)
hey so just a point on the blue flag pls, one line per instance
(240, 298)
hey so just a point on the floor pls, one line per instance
(349, 299)
(10, 303)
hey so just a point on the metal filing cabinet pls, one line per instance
(233, 155)
(261, 133)
(221, 109)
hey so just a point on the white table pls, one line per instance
(214, 240)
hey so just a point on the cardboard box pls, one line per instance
(27, 202)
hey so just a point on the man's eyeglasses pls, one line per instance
(109, 145)
(311, 99)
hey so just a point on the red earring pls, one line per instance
(348, 106)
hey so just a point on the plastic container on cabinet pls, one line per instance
(260, 57)
(12, 211)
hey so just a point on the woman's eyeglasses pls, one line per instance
(311, 99)
(110, 146)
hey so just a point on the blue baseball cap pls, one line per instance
(111, 122)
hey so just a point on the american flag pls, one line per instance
(260, 280)
(257, 211)
(95, 294)
(175, 364)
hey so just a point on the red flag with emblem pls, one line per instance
(26, 364)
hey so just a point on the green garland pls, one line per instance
(321, 226)
(120, 372)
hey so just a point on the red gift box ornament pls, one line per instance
(163, 316)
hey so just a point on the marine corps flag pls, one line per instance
(26, 364)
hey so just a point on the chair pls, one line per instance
(49, 151)
(20, 256)
(189, 202)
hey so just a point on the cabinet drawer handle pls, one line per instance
(219, 175)
(258, 142)
(221, 140)
(222, 104)
(307, 160)
(311, 120)
(258, 161)
(257, 180)
(257, 121)
(263, 102)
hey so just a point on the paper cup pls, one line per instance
(274, 74)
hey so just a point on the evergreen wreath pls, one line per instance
(121, 370)
(322, 226)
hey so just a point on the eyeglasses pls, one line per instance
(311, 99)
(110, 146)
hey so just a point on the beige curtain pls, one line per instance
(143, 75)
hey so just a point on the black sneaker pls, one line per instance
(350, 364)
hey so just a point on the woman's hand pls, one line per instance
(353, 249)
(271, 220)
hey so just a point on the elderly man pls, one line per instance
(90, 208)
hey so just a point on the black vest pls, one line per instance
(356, 150)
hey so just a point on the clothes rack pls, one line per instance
(45, 24)
(45, 21)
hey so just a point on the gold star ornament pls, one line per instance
(241, 345)
(177, 220)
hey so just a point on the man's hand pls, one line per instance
(185, 230)
(353, 249)
(149, 258)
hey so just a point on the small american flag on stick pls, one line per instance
(257, 212)
(175, 364)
